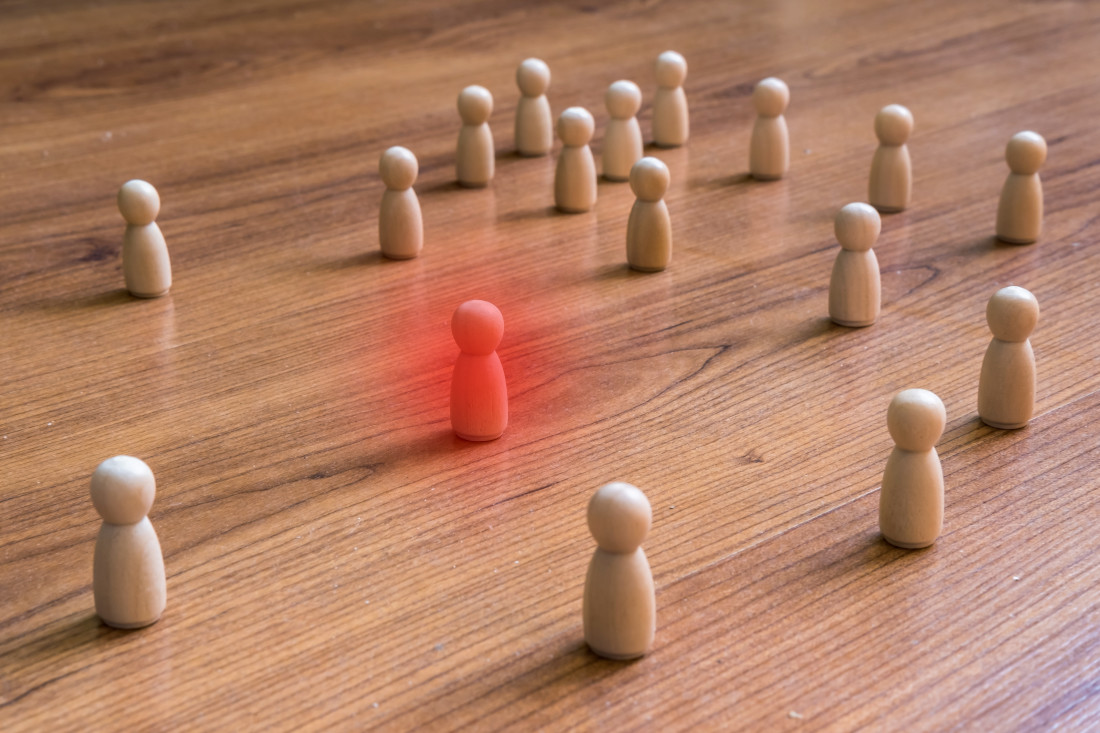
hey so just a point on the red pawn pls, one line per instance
(479, 393)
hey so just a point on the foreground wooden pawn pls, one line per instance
(400, 223)
(910, 510)
(1020, 211)
(620, 605)
(534, 125)
(855, 288)
(891, 183)
(474, 158)
(145, 264)
(128, 575)
(622, 142)
(575, 174)
(649, 229)
(479, 392)
(1006, 388)
(670, 107)
(770, 147)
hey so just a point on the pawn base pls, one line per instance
(474, 184)
(571, 210)
(128, 624)
(616, 657)
(908, 545)
(886, 209)
(639, 268)
(1017, 240)
(1003, 426)
(853, 324)
(616, 179)
(766, 176)
(479, 438)
(149, 295)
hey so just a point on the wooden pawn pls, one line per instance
(475, 156)
(670, 107)
(1020, 210)
(855, 289)
(891, 184)
(534, 125)
(649, 229)
(128, 580)
(622, 141)
(400, 223)
(1006, 387)
(575, 173)
(145, 263)
(770, 147)
(620, 604)
(910, 512)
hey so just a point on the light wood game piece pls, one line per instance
(534, 125)
(670, 107)
(649, 229)
(474, 158)
(1020, 211)
(479, 392)
(145, 264)
(620, 604)
(128, 579)
(891, 170)
(622, 142)
(910, 510)
(855, 289)
(1006, 388)
(400, 223)
(575, 174)
(770, 148)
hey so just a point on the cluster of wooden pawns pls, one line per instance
(619, 610)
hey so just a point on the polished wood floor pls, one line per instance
(338, 560)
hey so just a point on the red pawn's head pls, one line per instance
(477, 326)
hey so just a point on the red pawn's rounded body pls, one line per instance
(479, 393)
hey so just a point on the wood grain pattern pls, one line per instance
(338, 560)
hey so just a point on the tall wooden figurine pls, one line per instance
(910, 510)
(622, 142)
(891, 182)
(1020, 211)
(400, 224)
(145, 263)
(670, 107)
(855, 289)
(534, 125)
(479, 393)
(1006, 388)
(474, 157)
(128, 575)
(649, 230)
(575, 174)
(770, 148)
(620, 605)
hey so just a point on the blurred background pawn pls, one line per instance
(770, 147)
(474, 156)
(534, 125)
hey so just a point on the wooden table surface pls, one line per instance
(337, 559)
